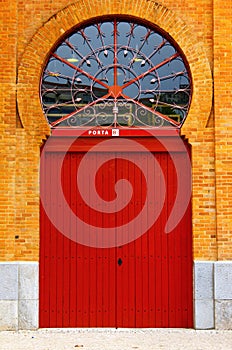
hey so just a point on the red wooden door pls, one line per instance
(146, 282)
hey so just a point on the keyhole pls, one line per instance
(119, 261)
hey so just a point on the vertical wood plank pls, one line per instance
(52, 244)
(131, 250)
(93, 283)
(172, 248)
(158, 253)
(138, 252)
(144, 248)
(60, 257)
(66, 249)
(110, 221)
(71, 176)
(44, 245)
(151, 249)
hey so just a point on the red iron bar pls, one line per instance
(167, 60)
(63, 60)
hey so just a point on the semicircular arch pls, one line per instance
(47, 37)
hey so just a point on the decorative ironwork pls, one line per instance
(116, 73)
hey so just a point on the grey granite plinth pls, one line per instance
(223, 314)
(223, 280)
(8, 281)
(8, 315)
(18, 295)
(203, 294)
(28, 281)
(204, 314)
(223, 294)
(28, 314)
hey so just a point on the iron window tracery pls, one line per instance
(116, 73)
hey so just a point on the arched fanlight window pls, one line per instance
(116, 72)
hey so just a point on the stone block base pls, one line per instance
(213, 294)
(19, 297)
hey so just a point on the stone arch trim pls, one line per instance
(51, 32)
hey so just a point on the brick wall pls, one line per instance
(31, 28)
(223, 125)
(8, 50)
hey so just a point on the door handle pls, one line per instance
(119, 261)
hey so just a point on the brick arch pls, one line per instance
(47, 36)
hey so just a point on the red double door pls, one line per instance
(143, 280)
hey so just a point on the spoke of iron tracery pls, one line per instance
(79, 110)
(173, 106)
(79, 70)
(59, 75)
(167, 77)
(76, 51)
(137, 52)
(162, 116)
(115, 53)
(172, 75)
(167, 60)
(59, 105)
(130, 34)
(102, 35)
(166, 104)
(91, 48)
(145, 39)
(156, 50)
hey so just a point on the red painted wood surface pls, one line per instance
(81, 286)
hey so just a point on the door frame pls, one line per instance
(79, 141)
